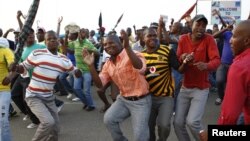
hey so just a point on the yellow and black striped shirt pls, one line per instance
(158, 72)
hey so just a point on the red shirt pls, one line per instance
(204, 51)
(237, 94)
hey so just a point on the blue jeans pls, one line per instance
(82, 86)
(5, 134)
(190, 108)
(122, 109)
(177, 83)
(67, 84)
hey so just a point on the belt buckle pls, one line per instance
(134, 98)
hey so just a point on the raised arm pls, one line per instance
(136, 61)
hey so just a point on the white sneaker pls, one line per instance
(25, 117)
(69, 96)
(32, 125)
(75, 99)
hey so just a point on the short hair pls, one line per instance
(114, 38)
(50, 32)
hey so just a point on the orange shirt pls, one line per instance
(130, 81)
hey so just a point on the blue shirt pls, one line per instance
(227, 54)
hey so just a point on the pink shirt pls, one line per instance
(130, 81)
(237, 95)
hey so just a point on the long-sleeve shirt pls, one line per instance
(6, 58)
(47, 67)
(204, 51)
(131, 81)
(237, 94)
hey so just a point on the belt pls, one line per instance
(135, 98)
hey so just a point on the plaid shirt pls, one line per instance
(26, 29)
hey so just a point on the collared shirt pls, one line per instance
(78, 47)
(138, 47)
(130, 81)
(204, 51)
(237, 94)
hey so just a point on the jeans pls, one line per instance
(190, 108)
(122, 109)
(221, 79)
(161, 113)
(46, 111)
(82, 86)
(177, 82)
(67, 84)
(5, 134)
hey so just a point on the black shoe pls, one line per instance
(90, 108)
(85, 106)
(12, 113)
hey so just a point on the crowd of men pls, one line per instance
(156, 76)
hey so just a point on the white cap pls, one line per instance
(4, 43)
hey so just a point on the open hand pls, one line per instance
(87, 57)
(6, 81)
(201, 66)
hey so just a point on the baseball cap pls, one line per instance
(154, 25)
(41, 29)
(200, 17)
(17, 31)
(4, 43)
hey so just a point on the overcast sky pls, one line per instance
(85, 13)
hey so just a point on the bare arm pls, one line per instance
(7, 32)
(59, 25)
(136, 62)
(20, 23)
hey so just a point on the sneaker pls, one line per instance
(69, 96)
(75, 99)
(59, 108)
(32, 125)
(25, 117)
(218, 101)
(90, 108)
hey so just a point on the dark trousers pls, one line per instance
(221, 79)
(17, 95)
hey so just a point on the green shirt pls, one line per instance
(28, 50)
(78, 47)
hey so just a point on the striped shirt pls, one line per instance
(159, 66)
(47, 67)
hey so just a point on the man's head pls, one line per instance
(150, 37)
(129, 31)
(31, 38)
(112, 45)
(40, 33)
(16, 34)
(51, 41)
(176, 28)
(83, 33)
(92, 33)
(240, 41)
(199, 26)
